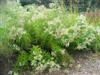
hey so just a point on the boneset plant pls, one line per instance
(43, 37)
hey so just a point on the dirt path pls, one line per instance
(86, 65)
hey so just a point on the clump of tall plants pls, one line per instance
(43, 37)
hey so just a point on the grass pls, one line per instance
(93, 17)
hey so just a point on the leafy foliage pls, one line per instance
(43, 37)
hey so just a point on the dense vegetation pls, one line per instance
(45, 38)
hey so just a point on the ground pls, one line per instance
(86, 64)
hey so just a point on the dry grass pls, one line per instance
(93, 17)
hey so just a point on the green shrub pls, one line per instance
(37, 60)
(44, 37)
(79, 36)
